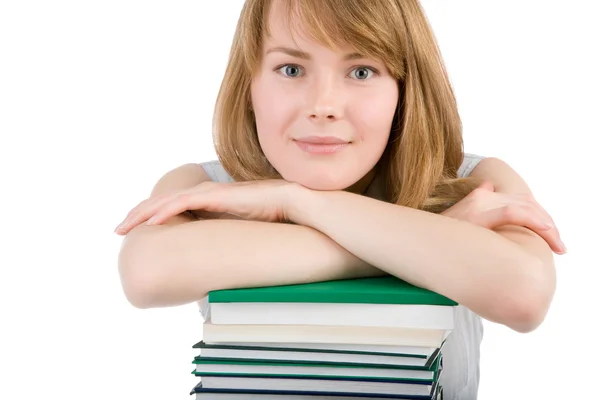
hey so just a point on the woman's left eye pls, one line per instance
(362, 73)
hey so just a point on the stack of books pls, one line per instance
(369, 338)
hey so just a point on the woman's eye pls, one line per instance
(290, 70)
(362, 73)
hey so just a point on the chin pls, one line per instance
(323, 181)
(325, 186)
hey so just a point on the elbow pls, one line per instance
(526, 317)
(139, 278)
(530, 298)
(139, 290)
(152, 278)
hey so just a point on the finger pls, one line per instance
(552, 237)
(177, 205)
(514, 214)
(528, 217)
(124, 225)
(523, 205)
(550, 222)
(542, 210)
(547, 230)
(536, 208)
(142, 212)
(135, 214)
(542, 219)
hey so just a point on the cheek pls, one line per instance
(273, 117)
(373, 114)
(271, 113)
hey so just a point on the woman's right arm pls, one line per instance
(181, 260)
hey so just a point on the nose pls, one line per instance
(325, 100)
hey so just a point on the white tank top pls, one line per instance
(461, 357)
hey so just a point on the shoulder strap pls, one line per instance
(216, 172)
(469, 163)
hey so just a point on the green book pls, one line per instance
(213, 367)
(378, 290)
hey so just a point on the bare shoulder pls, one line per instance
(181, 177)
(505, 178)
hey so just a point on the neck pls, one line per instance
(362, 186)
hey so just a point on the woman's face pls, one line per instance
(323, 116)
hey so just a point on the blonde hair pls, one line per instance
(425, 149)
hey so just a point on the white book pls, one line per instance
(415, 316)
(366, 335)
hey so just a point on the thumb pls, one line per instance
(486, 185)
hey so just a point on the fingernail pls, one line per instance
(563, 247)
(151, 221)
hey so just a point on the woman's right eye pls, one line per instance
(290, 70)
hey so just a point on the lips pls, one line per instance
(321, 140)
(321, 145)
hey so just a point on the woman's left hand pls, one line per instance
(266, 200)
(490, 209)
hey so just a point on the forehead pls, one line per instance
(285, 26)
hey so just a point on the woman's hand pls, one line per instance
(490, 209)
(266, 200)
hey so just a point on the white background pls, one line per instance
(99, 99)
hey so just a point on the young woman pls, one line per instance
(340, 156)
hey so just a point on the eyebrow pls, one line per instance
(306, 56)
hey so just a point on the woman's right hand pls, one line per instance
(490, 209)
(265, 200)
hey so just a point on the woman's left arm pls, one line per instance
(505, 275)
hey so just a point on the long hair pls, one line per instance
(425, 150)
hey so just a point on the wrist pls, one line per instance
(298, 204)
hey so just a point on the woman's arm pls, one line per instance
(506, 275)
(182, 259)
